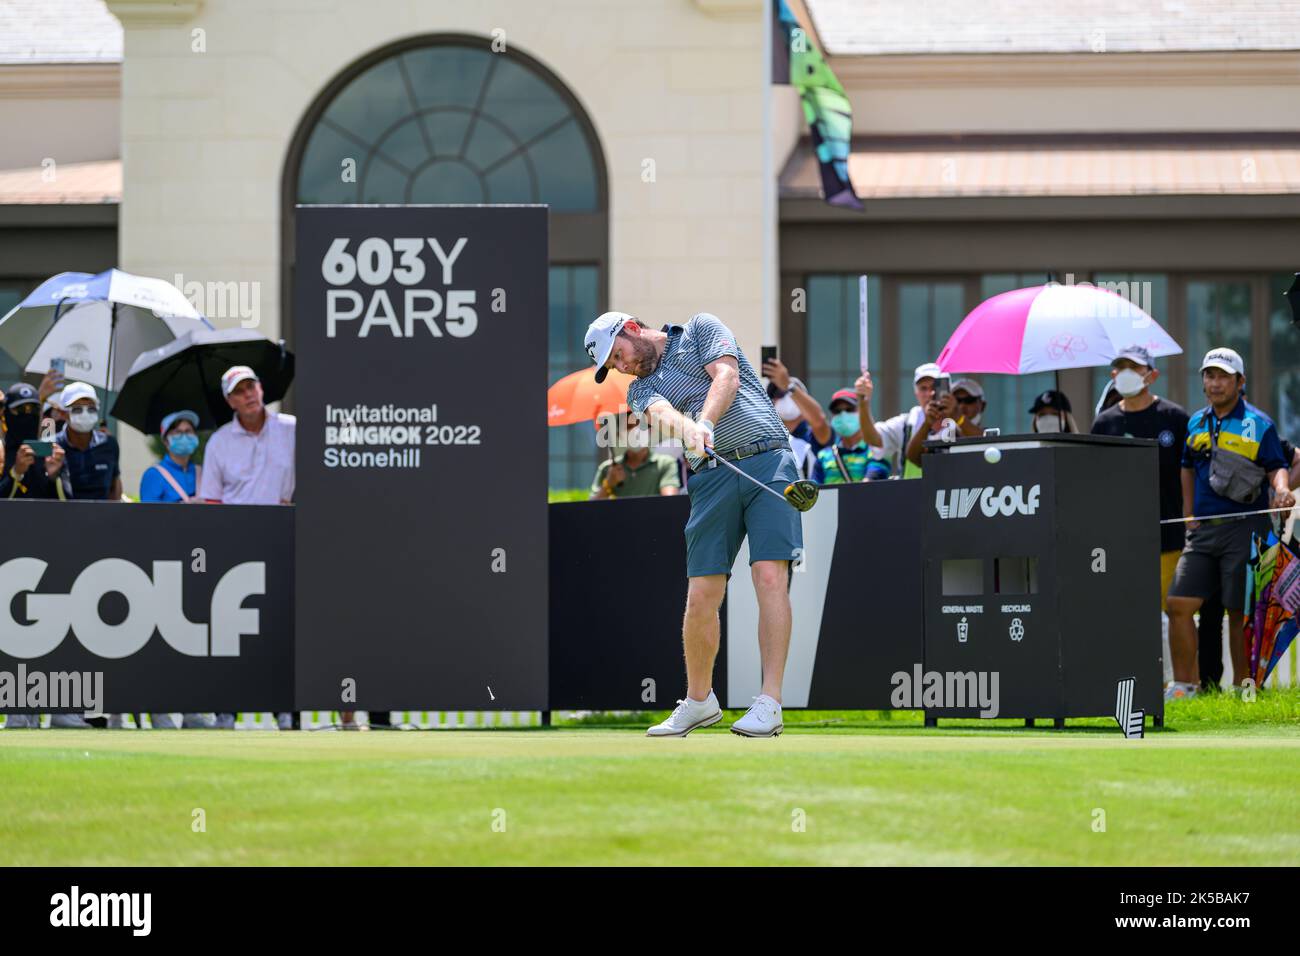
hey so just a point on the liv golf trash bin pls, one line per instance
(1042, 564)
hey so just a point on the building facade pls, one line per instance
(638, 123)
(994, 145)
(1149, 147)
(60, 172)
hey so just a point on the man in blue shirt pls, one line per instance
(1227, 435)
(693, 381)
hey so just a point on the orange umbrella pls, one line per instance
(578, 398)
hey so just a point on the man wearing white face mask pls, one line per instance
(92, 455)
(1140, 414)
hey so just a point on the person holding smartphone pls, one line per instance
(34, 468)
(30, 469)
(950, 403)
(52, 383)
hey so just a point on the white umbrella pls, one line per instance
(98, 324)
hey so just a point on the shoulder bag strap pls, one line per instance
(176, 487)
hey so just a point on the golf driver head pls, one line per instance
(802, 494)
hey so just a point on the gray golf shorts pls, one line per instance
(725, 508)
(1214, 561)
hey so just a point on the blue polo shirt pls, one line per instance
(154, 487)
(1245, 430)
(93, 471)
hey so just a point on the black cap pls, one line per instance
(1051, 399)
(22, 394)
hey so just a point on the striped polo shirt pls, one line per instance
(863, 462)
(682, 381)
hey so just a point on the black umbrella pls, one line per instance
(187, 373)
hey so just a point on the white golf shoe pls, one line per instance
(763, 719)
(689, 715)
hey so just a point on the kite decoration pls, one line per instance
(1272, 603)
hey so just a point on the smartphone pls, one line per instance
(41, 449)
(769, 355)
(942, 387)
(58, 366)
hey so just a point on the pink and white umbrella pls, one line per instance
(1051, 327)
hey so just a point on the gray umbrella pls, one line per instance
(97, 324)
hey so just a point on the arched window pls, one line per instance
(444, 119)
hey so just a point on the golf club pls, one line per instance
(800, 495)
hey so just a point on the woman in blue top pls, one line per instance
(175, 478)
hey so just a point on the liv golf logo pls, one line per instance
(1132, 722)
(153, 603)
(1007, 501)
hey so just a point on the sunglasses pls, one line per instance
(968, 400)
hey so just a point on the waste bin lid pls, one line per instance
(1033, 440)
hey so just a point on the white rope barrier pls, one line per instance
(1235, 514)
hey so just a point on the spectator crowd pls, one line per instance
(1223, 459)
(57, 446)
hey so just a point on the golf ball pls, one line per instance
(993, 454)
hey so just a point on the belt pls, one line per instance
(742, 452)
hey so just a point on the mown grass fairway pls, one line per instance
(874, 791)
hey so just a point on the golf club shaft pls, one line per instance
(743, 474)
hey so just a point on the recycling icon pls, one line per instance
(1017, 630)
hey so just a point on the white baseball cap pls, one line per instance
(1226, 359)
(76, 391)
(928, 370)
(969, 386)
(234, 375)
(599, 341)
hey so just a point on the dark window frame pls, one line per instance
(575, 238)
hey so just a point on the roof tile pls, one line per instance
(858, 28)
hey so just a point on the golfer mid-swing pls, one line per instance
(693, 381)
